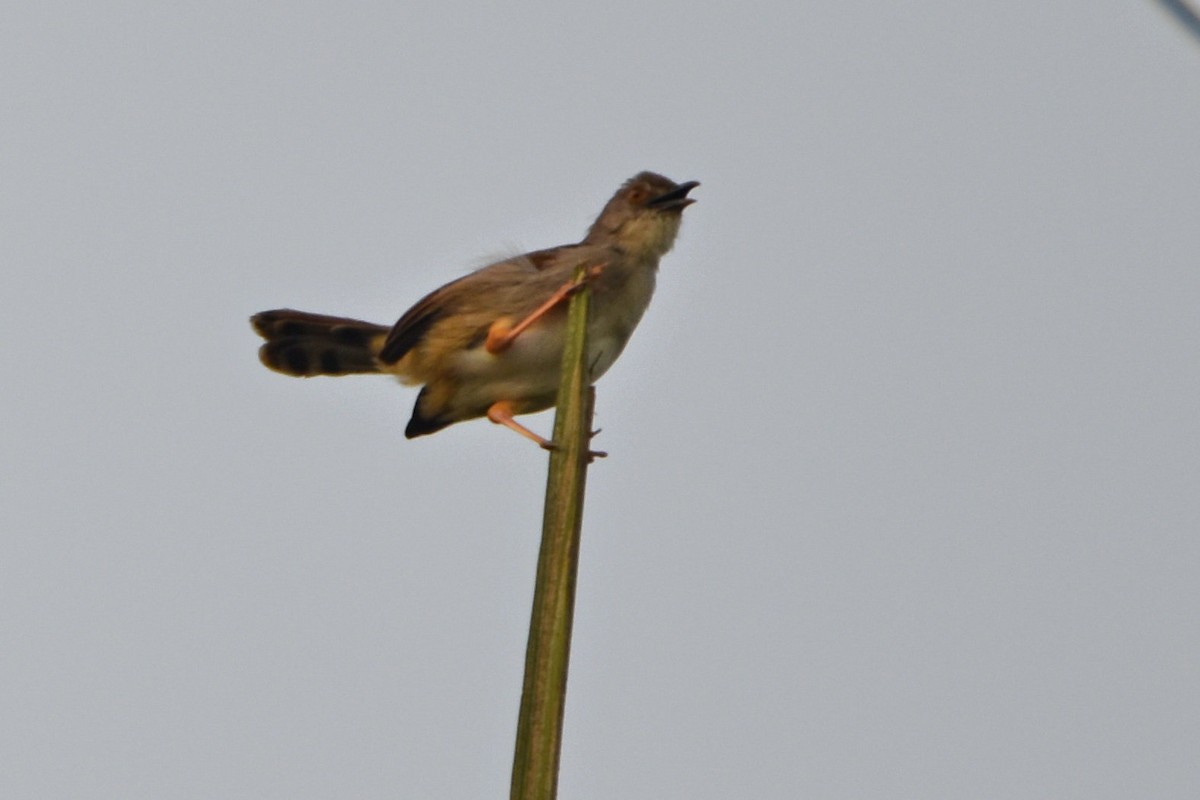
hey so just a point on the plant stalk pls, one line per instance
(543, 695)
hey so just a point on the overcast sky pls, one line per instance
(903, 491)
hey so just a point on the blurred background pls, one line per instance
(902, 490)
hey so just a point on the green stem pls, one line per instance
(543, 696)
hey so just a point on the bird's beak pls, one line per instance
(676, 198)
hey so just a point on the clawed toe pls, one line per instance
(592, 455)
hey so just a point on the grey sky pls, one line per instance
(902, 498)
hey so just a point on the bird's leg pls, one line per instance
(501, 335)
(501, 413)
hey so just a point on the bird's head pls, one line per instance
(643, 217)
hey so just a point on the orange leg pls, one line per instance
(501, 336)
(501, 413)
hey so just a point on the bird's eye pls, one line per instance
(637, 196)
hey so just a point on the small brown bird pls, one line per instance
(491, 343)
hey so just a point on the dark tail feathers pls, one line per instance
(303, 344)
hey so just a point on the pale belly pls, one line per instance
(527, 373)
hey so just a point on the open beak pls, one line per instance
(676, 198)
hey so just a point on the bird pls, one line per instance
(490, 343)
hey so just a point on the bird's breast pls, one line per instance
(530, 366)
(618, 303)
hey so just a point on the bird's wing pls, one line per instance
(416, 322)
(542, 260)
(475, 291)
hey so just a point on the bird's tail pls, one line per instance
(303, 344)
